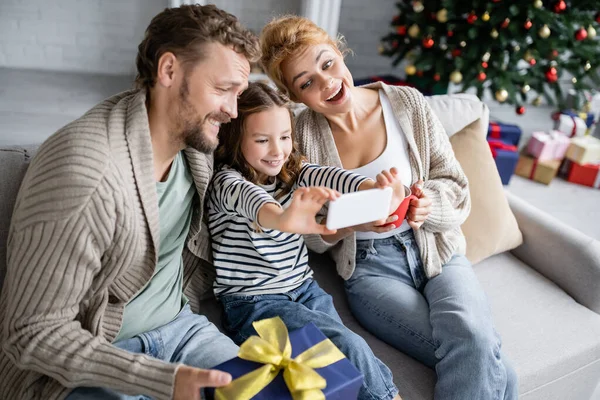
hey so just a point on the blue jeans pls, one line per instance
(189, 339)
(444, 322)
(309, 303)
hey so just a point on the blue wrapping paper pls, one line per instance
(506, 160)
(508, 133)
(343, 379)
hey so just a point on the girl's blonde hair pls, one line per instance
(288, 36)
(257, 98)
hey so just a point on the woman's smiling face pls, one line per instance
(319, 78)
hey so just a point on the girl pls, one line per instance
(260, 202)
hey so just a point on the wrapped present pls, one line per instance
(539, 171)
(587, 117)
(544, 146)
(275, 365)
(584, 174)
(584, 150)
(506, 132)
(506, 158)
(570, 125)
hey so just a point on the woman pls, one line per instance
(411, 286)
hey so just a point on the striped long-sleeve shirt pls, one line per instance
(250, 261)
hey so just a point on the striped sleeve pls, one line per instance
(231, 194)
(332, 177)
(55, 247)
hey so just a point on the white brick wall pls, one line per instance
(99, 36)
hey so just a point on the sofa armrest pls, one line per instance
(563, 254)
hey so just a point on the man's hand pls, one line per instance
(189, 381)
(420, 208)
(390, 178)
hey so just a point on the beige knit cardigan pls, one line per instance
(83, 240)
(431, 158)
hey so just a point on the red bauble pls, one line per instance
(472, 18)
(401, 30)
(505, 23)
(428, 42)
(528, 24)
(437, 77)
(456, 53)
(597, 17)
(395, 44)
(532, 62)
(520, 110)
(419, 73)
(481, 76)
(450, 33)
(581, 34)
(396, 18)
(554, 53)
(484, 64)
(560, 6)
(551, 75)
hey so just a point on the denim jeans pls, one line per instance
(444, 322)
(309, 303)
(189, 339)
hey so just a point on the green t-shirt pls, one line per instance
(159, 302)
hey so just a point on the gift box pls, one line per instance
(544, 146)
(506, 158)
(570, 125)
(508, 133)
(276, 364)
(583, 174)
(539, 171)
(584, 150)
(587, 117)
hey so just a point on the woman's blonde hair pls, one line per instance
(257, 98)
(288, 36)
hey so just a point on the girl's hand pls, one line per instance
(299, 217)
(390, 178)
(420, 208)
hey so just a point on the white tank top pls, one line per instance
(394, 155)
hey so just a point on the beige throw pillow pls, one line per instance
(491, 228)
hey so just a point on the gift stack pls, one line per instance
(542, 158)
(277, 365)
(572, 123)
(503, 140)
(582, 163)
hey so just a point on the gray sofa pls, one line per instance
(545, 295)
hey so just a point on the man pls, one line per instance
(106, 243)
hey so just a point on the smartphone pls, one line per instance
(359, 207)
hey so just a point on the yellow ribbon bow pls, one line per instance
(273, 348)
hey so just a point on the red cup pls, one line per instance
(402, 208)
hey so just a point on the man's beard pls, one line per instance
(189, 125)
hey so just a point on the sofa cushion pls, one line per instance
(13, 164)
(491, 227)
(467, 107)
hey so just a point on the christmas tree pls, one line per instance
(519, 50)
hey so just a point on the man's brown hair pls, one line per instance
(257, 98)
(184, 31)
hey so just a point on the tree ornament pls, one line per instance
(502, 95)
(505, 23)
(419, 73)
(444, 46)
(526, 88)
(401, 30)
(410, 70)
(481, 76)
(463, 43)
(560, 6)
(591, 32)
(485, 17)
(574, 80)
(532, 62)
(587, 66)
(544, 32)
(516, 48)
(414, 30)
(450, 33)
(520, 110)
(581, 34)
(597, 17)
(418, 6)
(442, 16)
(381, 49)
(551, 75)
(538, 4)
(428, 42)
(537, 101)
(395, 44)
(528, 56)
(456, 53)
(486, 56)
(456, 77)
(494, 33)
(484, 64)
(554, 54)
(528, 24)
(437, 77)
(472, 18)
